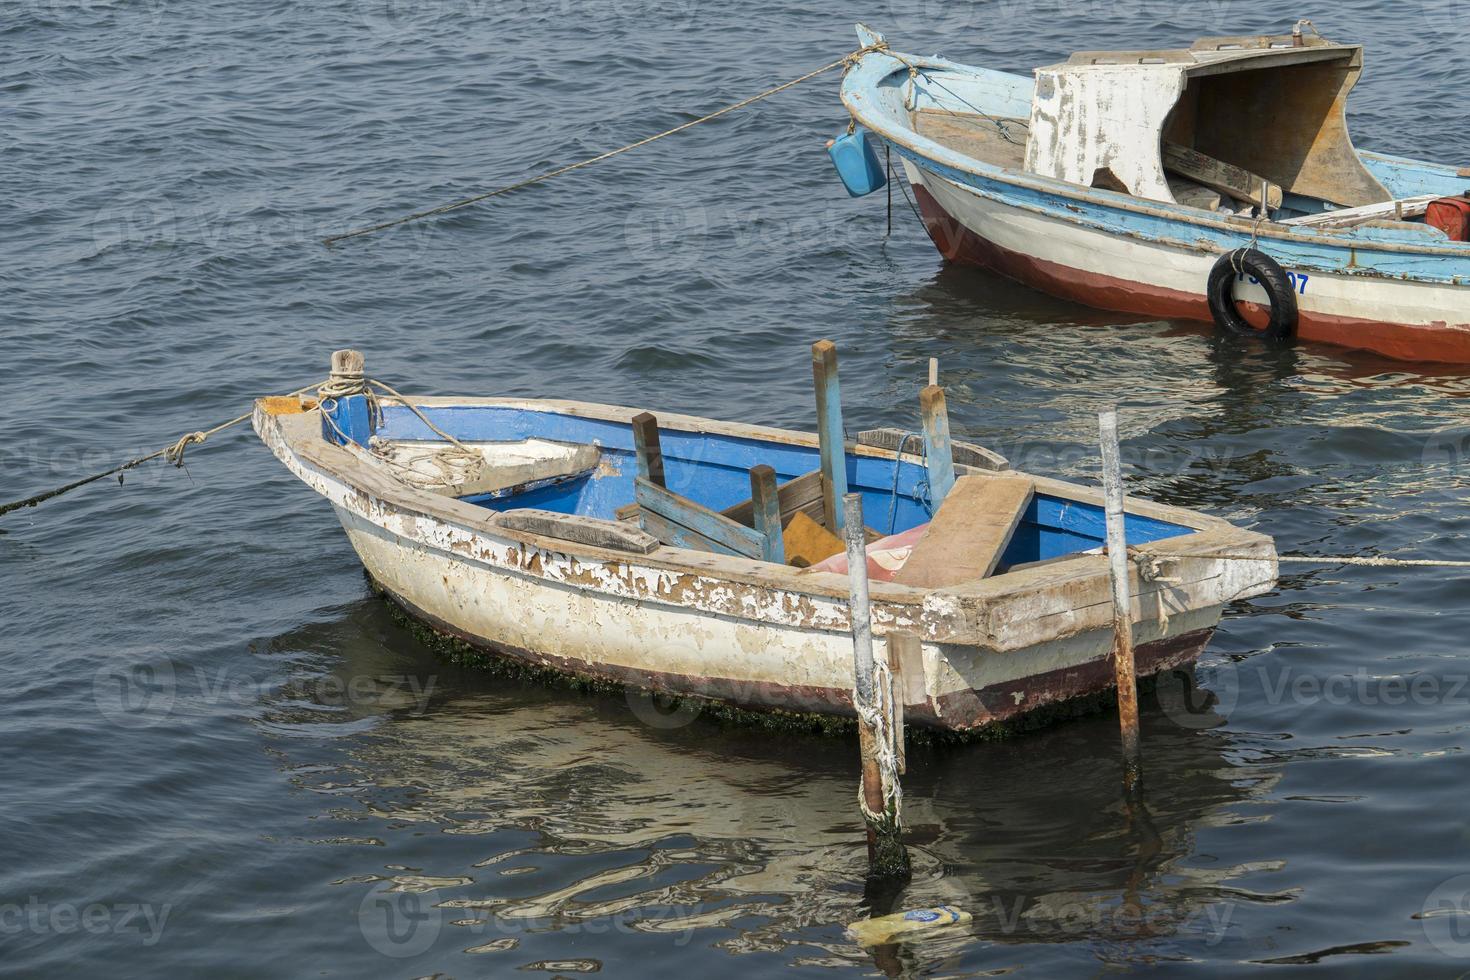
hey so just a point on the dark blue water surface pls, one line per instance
(223, 757)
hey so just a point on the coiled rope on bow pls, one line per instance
(846, 61)
(457, 463)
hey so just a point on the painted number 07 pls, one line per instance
(1298, 280)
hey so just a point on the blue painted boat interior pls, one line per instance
(713, 470)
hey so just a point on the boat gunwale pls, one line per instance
(866, 75)
(296, 440)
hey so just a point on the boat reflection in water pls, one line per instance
(513, 814)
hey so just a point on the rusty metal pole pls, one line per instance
(1123, 665)
(873, 698)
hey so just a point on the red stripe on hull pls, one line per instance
(956, 242)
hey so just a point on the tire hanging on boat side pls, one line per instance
(1271, 277)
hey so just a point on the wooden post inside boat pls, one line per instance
(938, 450)
(1123, 665)
(347, 417)
(766, 511)
(830, 434)
(873, 697)
(645, 444)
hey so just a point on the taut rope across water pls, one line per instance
(331, 240)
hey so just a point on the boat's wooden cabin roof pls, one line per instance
(1271, 108)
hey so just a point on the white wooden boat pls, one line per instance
(510, 539)
(1215, 183)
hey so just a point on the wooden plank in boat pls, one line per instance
(1219, 175)
(578, 529)
(969, 533)
(1409, 207)
(906, 662)
(696, 520)
(802, 494)
(678, 536)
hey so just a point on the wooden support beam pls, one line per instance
(645, 444)
(906, 660)
(802, 494)
(1123, 665)
(799, 495)
(830, 433)
(1408, 207)
(937, 447)
(906, 665)
(1220, 176)
(613, 535)
(683, 523)
(766, 509)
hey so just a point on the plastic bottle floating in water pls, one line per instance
(872, 932)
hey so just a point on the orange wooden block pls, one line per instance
(807, 542)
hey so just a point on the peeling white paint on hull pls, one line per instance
(669, 649)
(756, 635)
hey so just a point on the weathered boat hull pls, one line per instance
(593, 637)
(1398, 317)
(749, 634)
(1402, 290)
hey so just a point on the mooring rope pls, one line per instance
(173, 452)
(876, 716)
(344, 384)
(466, 202)
(1368, 561)
(340, 385)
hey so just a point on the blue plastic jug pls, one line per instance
(857, 163)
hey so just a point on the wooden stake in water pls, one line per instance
(1123, 665)
(881, 795)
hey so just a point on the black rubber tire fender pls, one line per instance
(1273, 279)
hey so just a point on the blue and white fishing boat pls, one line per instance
(662, 553)
(1215, 182)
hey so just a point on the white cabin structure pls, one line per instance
(1222, 117)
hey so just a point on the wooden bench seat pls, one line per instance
(969, 533)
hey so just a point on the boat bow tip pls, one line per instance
(868, 38)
